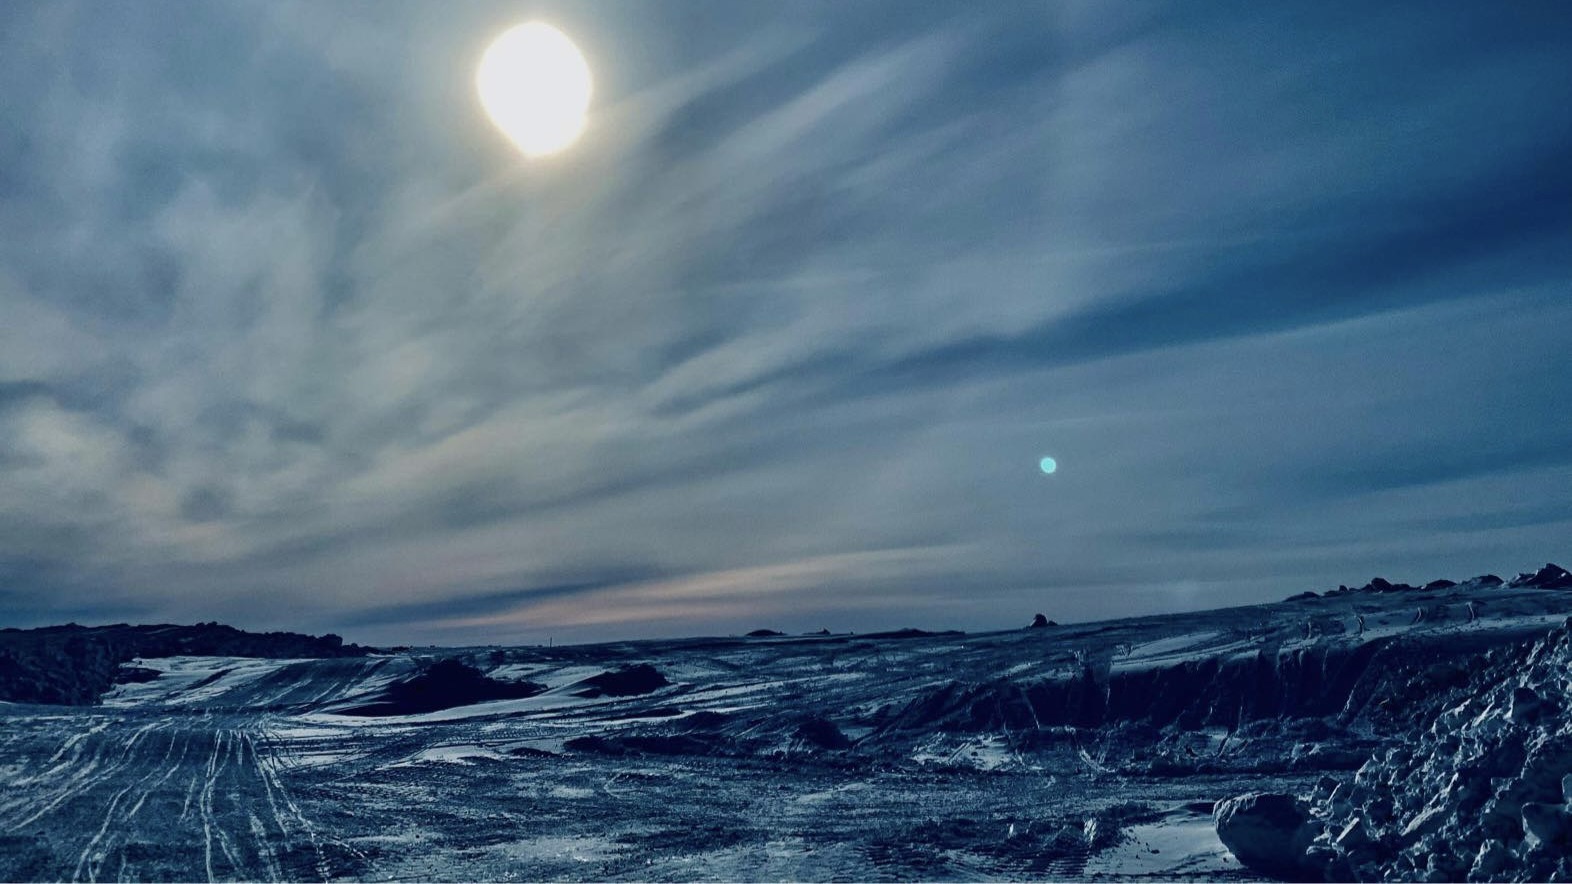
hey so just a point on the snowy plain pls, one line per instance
(1088, 751)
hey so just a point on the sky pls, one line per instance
(291, 337)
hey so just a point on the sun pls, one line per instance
(536, 86)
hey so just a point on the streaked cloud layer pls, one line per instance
(291, 338)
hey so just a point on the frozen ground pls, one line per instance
(1089, 751)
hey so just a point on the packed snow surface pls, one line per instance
(1086, 751)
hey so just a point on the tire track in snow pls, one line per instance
(204, 808)
(86, 860)
(269, 858)
(236, 768)
(269, 772)
(267, 786)
(185, 748)
(185, 807)
(210, 825)
(76, 739)
(185, 738)
(258, 828)
(93, 773)
(269, 768)
(74, 745)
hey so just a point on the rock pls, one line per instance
(822, 733)
(1322, 863)
(1267, 832)
(1368, 774)
(1492, 859)
(75, 665)
(1484, 793)
(1551, 576)
(1440, 584)
(764, 633)
(1354, 836)
(1039, 622)
(1325, 786)
(1426, 822)
(1339, 802)
(1524, 704)
(1440, 866)
(1549, 824)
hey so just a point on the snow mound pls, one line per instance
(630, 682)
(443, 685)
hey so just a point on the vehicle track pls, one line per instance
(91, 857)
(136, 796)
(88, 777)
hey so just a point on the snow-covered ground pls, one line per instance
(1081, 751)
(190, 681)
(1183, 843)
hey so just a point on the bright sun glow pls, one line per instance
(535, 85)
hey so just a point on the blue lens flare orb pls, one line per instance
(1048, 466)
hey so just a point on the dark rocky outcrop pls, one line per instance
(1376, 585)
(822, 733)
(629, 682)
(649, 744)
(1310, 682)
(74, 665)
(444, 685)
(1551, 576)
(765, 633)
(1041, 622)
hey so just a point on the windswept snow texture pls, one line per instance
(1091, 751)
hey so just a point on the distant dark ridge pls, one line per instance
(444, 685)
(74, 665)
(909, 632)
(1551, 576)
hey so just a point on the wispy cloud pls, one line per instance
(289, 337)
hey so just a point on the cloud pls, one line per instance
(290, 338)
(829, 585)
